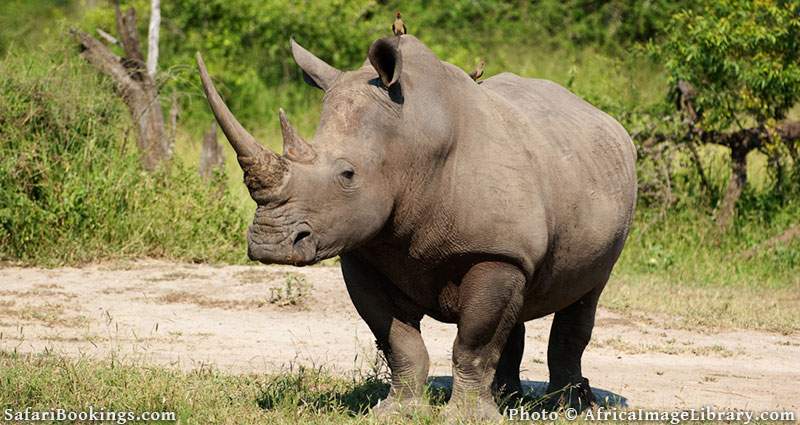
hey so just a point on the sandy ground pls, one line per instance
(192, 316)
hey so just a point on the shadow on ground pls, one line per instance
(534, 391)
(314, 391)
(308, 390)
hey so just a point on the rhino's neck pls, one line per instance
(422, 221)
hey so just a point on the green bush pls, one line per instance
(743, 57)
(25, 23)
(71, 188)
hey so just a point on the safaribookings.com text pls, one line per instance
(91, 414)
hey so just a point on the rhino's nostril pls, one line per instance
(300, 236)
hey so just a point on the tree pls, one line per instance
(134, 83)
(740, 60)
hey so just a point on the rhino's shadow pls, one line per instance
(440, 387)
(360, 397)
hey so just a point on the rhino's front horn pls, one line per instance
(294, 147)
(246, 147)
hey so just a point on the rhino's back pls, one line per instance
(566, 125)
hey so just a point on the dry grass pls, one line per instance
(50, 314)
(37, 293)
(682, 305)
(117, 290)
(670, 347)
(185, 297)
(256, 275)
(177, 275)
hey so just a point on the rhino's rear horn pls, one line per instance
(240, 139)
(294, 147)
(315, 71)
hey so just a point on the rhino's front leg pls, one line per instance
(396, 331)
(490, 299)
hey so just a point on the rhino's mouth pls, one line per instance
(295, 245)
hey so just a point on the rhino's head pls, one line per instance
(323, 198)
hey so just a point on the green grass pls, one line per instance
(685, 248)
(200, 396)
(197, 397)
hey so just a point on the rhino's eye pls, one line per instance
(345, 175)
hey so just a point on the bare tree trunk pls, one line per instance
(152, 38)
(137, 89)
(174, 112)
(699, 165)
(211, 157)
(736, 184)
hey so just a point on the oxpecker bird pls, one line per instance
(398, 28)
(478, 72)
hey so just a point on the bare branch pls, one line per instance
(784, 238)
(107, 37)
(102, 58)
(152, 38)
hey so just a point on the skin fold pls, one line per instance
(480, 204)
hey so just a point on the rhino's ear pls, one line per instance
(385, 57)
(315, 71)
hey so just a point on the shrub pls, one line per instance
(742, 56)
(71, 188)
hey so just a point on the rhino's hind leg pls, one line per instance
(490, 298)
(569, 335)
(397, 334)
(506, 379)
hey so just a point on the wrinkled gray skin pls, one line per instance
(484, 205)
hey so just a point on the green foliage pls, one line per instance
(246, 42)
(71, 188)
(21, 21)
(742, 56)
(608, 22)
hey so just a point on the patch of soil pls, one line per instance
(188, 315)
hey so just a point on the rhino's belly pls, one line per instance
(559, 278)
(563, 278)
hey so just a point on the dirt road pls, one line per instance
(196, 315)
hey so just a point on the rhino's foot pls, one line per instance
(578, 396)
(479, 410)
(392, 407)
